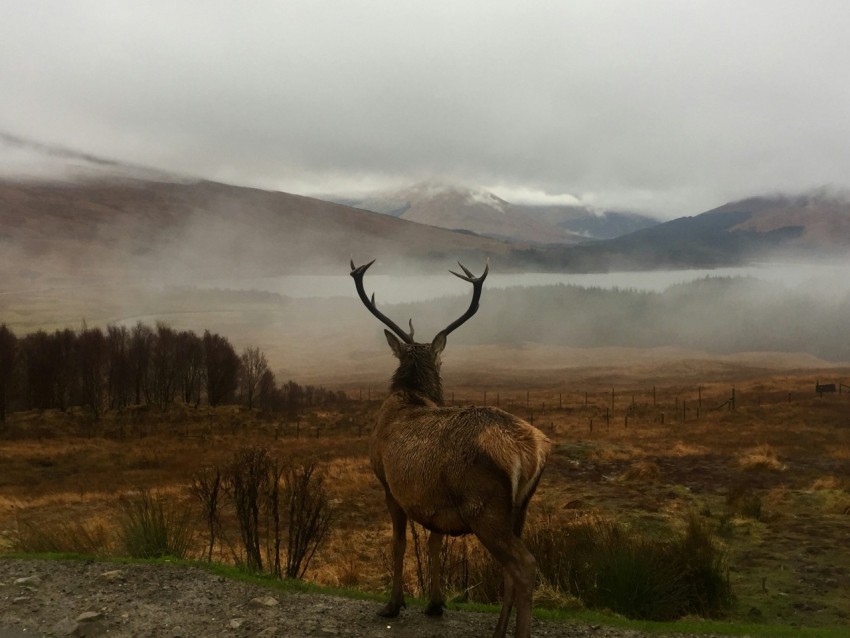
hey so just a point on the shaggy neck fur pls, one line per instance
(417, 374)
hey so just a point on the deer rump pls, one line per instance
(438, 464)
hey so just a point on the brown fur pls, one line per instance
(453, 470)
(456, 470)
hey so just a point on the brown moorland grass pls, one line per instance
(769, 477)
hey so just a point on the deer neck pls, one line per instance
(418, 383)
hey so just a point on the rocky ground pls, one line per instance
(75, 598)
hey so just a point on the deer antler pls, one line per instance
(357, 274)
(477, 284)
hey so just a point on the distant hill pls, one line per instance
(482, 212)
(53, 232)
(815, 226)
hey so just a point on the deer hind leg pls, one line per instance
(399, 518)
(519, 569)
(507, 604)
(436, 603)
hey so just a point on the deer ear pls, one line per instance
(439, 343)
(395, 344)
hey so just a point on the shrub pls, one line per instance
(606, 565)
(309, 517)
(151, 526)
(743, 500)
(65, 538)
(274, 504)
(206, 487)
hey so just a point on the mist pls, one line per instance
(714, 314)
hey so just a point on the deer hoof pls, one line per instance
(435, 610)
(391, 610)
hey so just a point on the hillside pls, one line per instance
(98, 230)
(809, 227)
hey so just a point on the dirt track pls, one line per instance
(161, 601)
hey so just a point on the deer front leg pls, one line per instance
(399, 519)
(436, 603)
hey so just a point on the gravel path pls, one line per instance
(75, 598)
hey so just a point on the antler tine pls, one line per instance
(477, 285)
(357, 273)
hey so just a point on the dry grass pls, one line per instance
(762, 458)
(642, 472)
(776, 504)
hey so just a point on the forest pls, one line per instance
(122, 367)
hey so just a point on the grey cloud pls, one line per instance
(661, 106)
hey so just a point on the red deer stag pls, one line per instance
(454, 470)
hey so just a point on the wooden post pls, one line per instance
(560, 402)
(591, 425)
(585, 399)
(612, 399)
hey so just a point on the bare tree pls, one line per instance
(254, 366)
(119, 382)
(190, 367)
(8, 349)
(92, 364)
(141, 345)
(222, 368)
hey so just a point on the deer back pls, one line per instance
(438, 459)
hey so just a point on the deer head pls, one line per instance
(419, 363)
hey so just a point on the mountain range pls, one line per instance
(98, 221)
(477, 210)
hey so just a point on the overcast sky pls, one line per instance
(671, 107)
